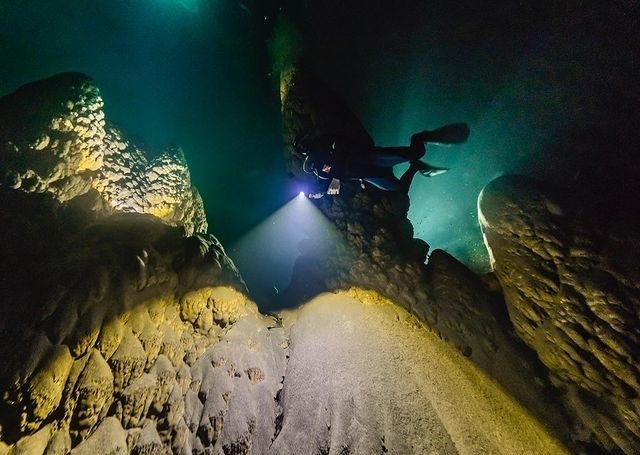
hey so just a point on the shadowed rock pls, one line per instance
(573, 296)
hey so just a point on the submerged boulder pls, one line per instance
(573, 297)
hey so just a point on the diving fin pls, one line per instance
(432, 171)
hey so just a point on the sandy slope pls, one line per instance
(365, 378)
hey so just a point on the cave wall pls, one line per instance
(373, 248)
(126, 328)
(573, 295)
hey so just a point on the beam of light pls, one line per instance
(190, 5)
(193, 6)
(266, 255)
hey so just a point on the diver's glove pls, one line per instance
(334, 187)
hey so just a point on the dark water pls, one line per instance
(549, 89)
(190, 72)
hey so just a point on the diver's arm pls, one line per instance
(321, 187)
(334, 187)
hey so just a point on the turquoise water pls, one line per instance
(192, 72)
(189, 5)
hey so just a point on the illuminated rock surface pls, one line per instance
(573, 294)
(371, 246)
(365, 377)
(54, 138)
(106, 344)
(148, 348)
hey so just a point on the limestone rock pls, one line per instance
(43, 392)
(109, 438)
(52, 142)
(136, 400)
(573, 300)
(150, 337)
(369, 242)
(171, 346)
(132, 319)
(128, 361)
(102, 331)
(462, 311)
(86, 336)
(54, 138)
(165, 375)
(59, 444)
(36, 443)
(309, 107)
(371, 350)
(110, 336)
(93, 394)
(149, 442)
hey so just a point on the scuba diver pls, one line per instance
(332, 158)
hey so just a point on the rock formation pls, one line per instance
(133, 337)
(127, 329)
(573, 295)
(123, 308)
(54, 139)
(364, 376)
(149, 345)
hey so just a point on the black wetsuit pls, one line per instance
(332, 156)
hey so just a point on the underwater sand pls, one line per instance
(367, 378)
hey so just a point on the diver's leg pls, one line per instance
(384, 183)
(361, 170)
(379, 176)
(390, 156)
(407, 177)
(388, 182)
(454, 133)
(423, 168)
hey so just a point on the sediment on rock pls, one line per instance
(99, 345)
(175, 350)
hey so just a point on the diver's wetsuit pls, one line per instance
(334, 156)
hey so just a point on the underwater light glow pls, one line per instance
(266, 255)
